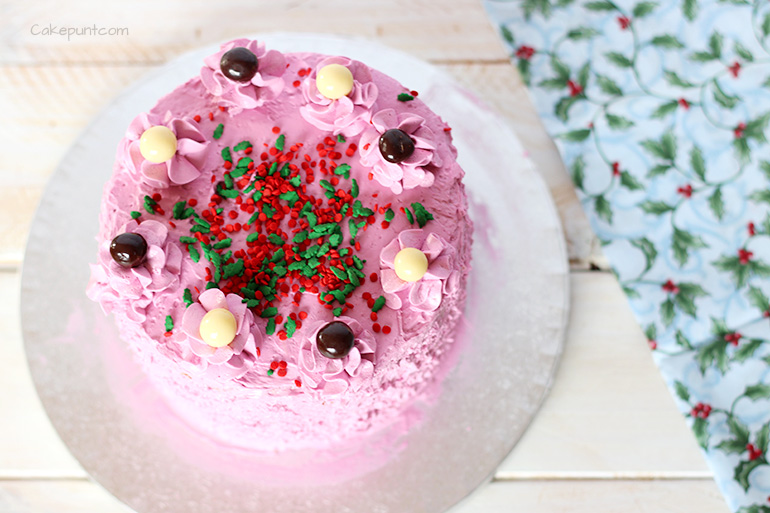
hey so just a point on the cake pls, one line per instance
(284, 244)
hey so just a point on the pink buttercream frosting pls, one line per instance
(424, 294)
(266, 84)
(111, 283)
(333, 376)
(238, 357)
(182, 168)
(412, 172)
(348, 115)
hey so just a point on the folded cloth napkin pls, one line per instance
(660, 110)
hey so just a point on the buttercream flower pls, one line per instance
(266, 84)
(426, 293)
(111, 283)
(236, 358)
(333, 376)
(409, 173)
(183, 167)
(348, 115)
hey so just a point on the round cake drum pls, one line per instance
(498, 373)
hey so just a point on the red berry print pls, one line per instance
(685, 190)
(671, 287)
(733, 338)
(735, 69)
(684, 103)
(738, 130)
(751, 229)
(525, 52)
(744, 256)
(616, 169)
(574, 88)
(624, 22)
(701, 411)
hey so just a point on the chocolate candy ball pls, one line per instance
(239, 64)
(128, 249)
(396, 145)
(335, 340)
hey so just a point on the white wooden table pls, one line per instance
(608, 437)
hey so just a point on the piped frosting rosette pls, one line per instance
(348, 115)
(426, 293)
(110, 283)
(266, 84)
(411, 172)
(182, 168)
(334, 376)
(234, 359)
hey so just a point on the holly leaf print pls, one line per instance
(660, 169)
(745, 468)
(651, 331)
(755, 508)
(755, 129)
(616, 122)
(524, 66)
(738, 430)
(562, 70)
(715, 44)
(700, 428)
(742, 52)
(690, 9)
(603, 209)
(683, 242)
(685, 298)
(601, 5)
(760, 196)
(553, 84)
(742, 150)
(664, 149)
(766, 25)
(576, 135)
(620, 60)
(716, 203)
(667, 312)
(582, 33)
(741, 271)
(764, 166)
(507, 35)
(675, 80)
(656, 208)
(747, 349)
(582, 76)
(758, 299)
(664, 110)
(530, 6)
(643, 9)
(697, 162)
(608, 86)
(722, 98)
(578, 172)
(681, 391)
(650, 254)
(667, 42)
(763, 437)
(714, 353)
(758, 391)
(628, 181)
(561, 110)
(682, 341)
(731, 446)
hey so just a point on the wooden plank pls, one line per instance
(609, 409)
(158, 31)
(678, 496)
(49, 106)
(608, 412)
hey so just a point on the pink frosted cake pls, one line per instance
(285, 244)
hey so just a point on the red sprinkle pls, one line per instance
(376, 328)
(386, 329)
(197, 118)
(274, 365)
(373, 277)
(298, 383)
(276, 130)
(281, 372)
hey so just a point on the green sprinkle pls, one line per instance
(354, 188)
(389, 215)
(312, 219)
(298, 266)
(187, 240)
(279, 270)
(243, 163)
(178, 210)
(211, 285)
(269, 312)
(187, 296)
(337, 311)
(169, 323)
(224, 243)
(285, 170)
(218, 131)
(342, 169)
(338, 295)
(194, 255)
(340, 138)
(268, 210)
(278, 255)
(290, 197)
(270, 328)
(135, 214)
(280, 142)
(300, 237)
(353, 227)
(149, 203)
(421, 215)
(253, 219)
(291, 325)
(378, 304)
(242, 146)
(234, 269)
(296, 181)
(360, 211)
(409, 215)
(270, 371)
(335, 239)
(226, 155)
(327, 185)
(229, 181)
(199, 229)
(252, 236)
(188, 212)
(339, 273)
(228, 194)
(202, 222)
(353, 277)
(275, 239)
(237, 172)
(358, 262)
(405, 97)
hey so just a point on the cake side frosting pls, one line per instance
(295, 221)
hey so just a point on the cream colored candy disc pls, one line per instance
(158, 144)
(218, 327)
(410, 264)
(334, 81)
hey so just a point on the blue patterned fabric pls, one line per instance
(660, 110)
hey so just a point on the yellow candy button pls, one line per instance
(158, 144)
(410, 264)
(334, 81)
(218, 327)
